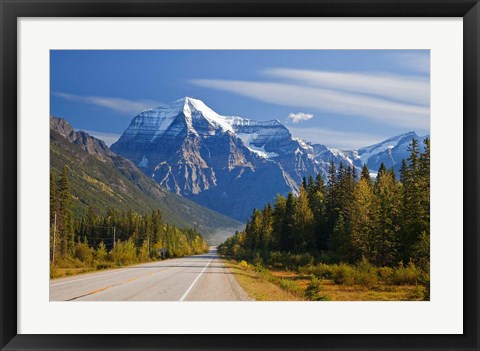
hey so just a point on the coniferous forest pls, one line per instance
(90, 241)
(347, 226)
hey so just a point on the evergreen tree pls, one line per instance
(53, 212)
(317, 194)
(365, 173)
(303, 223)
(66, 233)
(414, 216)
(388, 192)
(279, 212)
(341, 241)
(288, 229)
(331, 205)
(364, 221)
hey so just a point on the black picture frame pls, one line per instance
(11, 10)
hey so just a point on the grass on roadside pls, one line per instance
(264, 284)
(257, 285)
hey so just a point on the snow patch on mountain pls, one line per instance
(210, 115)
(247, 140)
(143, 163)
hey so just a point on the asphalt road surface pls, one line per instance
(194, 278)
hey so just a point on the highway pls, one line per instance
(194, 278)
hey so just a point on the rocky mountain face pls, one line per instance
(91, 145)
(192, 151)
(232, 164)
(102, 179)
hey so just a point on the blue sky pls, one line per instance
(340, 98)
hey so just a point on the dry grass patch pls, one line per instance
(283, 285)
(256, 285)
(338, 292)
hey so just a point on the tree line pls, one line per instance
(117, 232)
(350, 218)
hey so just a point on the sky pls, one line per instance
(339, 98)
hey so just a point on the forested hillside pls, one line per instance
(102, 180)
(118, 238)
(350, 220)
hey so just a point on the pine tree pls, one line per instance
(303, 223)
(53, 213)
(388, 192)
(365, 174)
(267, 228)
(317, 194)
(341, 241)
(404, 172)
(364, 221)
(381, 171)
(278, 223)
(414, 212)
(66, 233)
(331, 205)
(288, 229)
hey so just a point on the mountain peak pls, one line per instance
(182, 102)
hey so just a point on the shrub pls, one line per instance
(144, 254)
(366, 274)
(343, 274)
(53, 271)
(278, 259)
(406, 275)
(258, 262)
(101, 253)
(314, 290)
(104, 265)
(289, 286)
(69, 262)
(425, 281)
(385, 274)
(124, 253)
(84, 253)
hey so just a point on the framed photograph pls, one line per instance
(239, 175)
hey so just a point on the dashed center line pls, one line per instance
(110, 286)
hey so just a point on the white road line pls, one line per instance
(191, 286)
(91, 277)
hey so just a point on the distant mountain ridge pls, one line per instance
(102, 179)
(232, 164)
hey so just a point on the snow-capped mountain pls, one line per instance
(193, 151)
(232, 164)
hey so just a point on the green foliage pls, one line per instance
(115, 183)
(124, 253)
(343, 274)
(314, 290)
(144, 252)
(289, 285)
(406, 275)
(101, 252)
(137, 237)
(351, 231)
(84, 253)
(366, 274)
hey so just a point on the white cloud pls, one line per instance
(410, 116)
(108, 138)
(123, 106)
(414, 90)
(299, 117)
(415, 62)
(337, 139)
